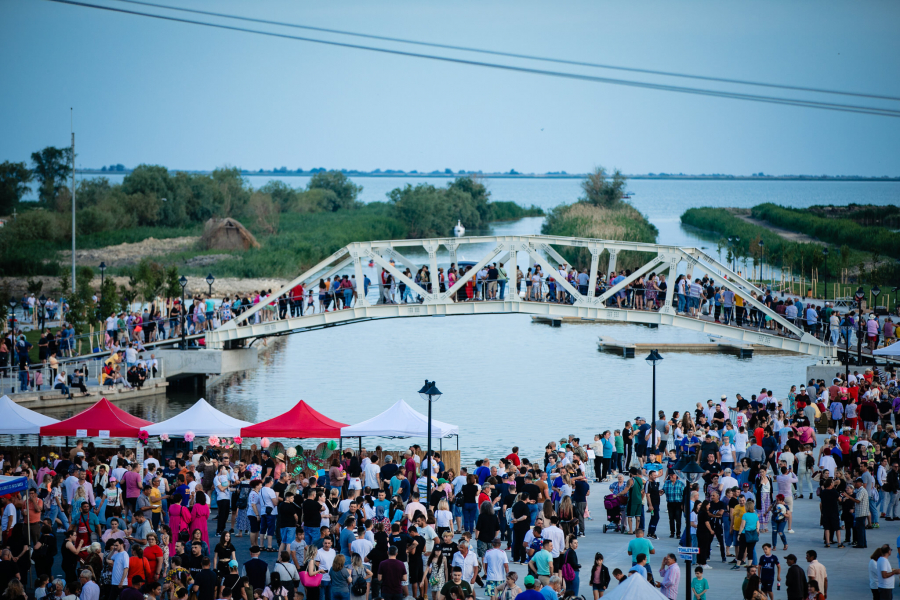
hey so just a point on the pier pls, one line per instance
(627, 349)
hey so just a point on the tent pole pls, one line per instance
(359, 454)
(341, 449)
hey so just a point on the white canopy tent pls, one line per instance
(635, 588)
(400, 421)
(201, 419)
(892, 350)
(18, 420)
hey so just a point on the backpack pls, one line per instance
(277, 596)
(243, 495)
(810, 462)
(359, 586)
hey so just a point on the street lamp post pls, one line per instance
(210, 279)
(860, 326)
(43, 301)
(102, 274)
(653, 358)
(430, 393)
(761, 255)
(183, 281)
(12, 313)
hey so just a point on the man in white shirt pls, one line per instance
(727, 480)
(150, 460)
(496, 566)
(372, 472)
(130, 355)
(89, 589)
(9, 519)
(467, 561)
(556, 535)
(325, 557)
(414, 505)
(361, 546)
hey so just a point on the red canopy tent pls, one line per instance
(302, 421)
(103, 419)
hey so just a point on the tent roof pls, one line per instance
(400, 420)
(101, 420)
(12, 485)
(16, 419)
(892, 350)
(302, 421)
(202, 419)
(634, 588)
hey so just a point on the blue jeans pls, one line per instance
(574, 584)
(325, 590)
(311, 535)
(470, 513)
(859, 531)
(778, 529)
(873, 508)
(681, 303)
(55, 513)
(340, 595)
(533, 509)
(502, 289)
(23, 381)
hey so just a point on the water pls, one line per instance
(507, 381)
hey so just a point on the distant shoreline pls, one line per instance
(667, 177)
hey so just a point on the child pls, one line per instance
(599, 577)
(699, 585)
(768, 563)
(509, 590)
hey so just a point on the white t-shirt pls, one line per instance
(556, 535)
(443, 518)
(344, 505)
(267, 498)
(494, 559)
(727, 451)
(361, 547)
(874, 575)
(740, 442)
(325, 558)
(372, 472)
(885, 565)
(151, 461)
(430, 535)
(8, 513)
(254, 499)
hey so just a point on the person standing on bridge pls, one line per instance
(297, 300)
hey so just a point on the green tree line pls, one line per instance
(831, 230)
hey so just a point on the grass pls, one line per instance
(872, 239)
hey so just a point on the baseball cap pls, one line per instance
(724, 397)
(529, 580)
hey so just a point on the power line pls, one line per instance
(868, 110)
(515, 55)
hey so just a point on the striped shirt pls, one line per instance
(862, 509)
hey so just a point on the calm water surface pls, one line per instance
(507, 381)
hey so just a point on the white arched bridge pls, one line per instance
(537, 250)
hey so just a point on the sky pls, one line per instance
(189, 97)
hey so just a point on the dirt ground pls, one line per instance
(129, 254)
(744, 215)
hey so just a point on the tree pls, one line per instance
(600, 190)
(266, 211)
(150, 279)
(109, 298)
(172, 286)
(474, 186)
(52, 167)
(344, 189)
(14, 180)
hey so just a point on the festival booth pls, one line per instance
(634, 588)
(15, 485)
(302, 421)
(18, 420)
(103, 420)
(402, 421)
(202, 420)
(892, 350)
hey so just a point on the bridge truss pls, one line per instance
(540, 250)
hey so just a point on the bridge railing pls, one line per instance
(14, 380)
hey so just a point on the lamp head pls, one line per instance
(43, 300)
(210, 279)
(429, 391)
(654, 357)
(876, 290)
(825, 251)
(183, 282)
(102, 266)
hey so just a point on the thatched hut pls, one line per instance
(227, 234)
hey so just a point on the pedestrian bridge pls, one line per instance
(537, 250)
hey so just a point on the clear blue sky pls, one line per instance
(194, 98)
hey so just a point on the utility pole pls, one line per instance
(72, 126)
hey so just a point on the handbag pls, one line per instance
(566, 570)
(751, 537)
(310, 580)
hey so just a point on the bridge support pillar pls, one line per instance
(512, 287)
(612, 261)
(361, 299)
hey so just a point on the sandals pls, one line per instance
(841, 546)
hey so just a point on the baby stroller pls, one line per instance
(613, 505)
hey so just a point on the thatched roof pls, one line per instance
(227, 234)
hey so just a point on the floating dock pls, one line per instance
(558, 321)
(627, 349)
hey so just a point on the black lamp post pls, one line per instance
(761, 254)
(183, 282)
(860, 326)
(875, 293)
(210, 279)
(430, 393)
(102, 273)
(43, 301)
(825, 254)
(734, 242)
(653, 358)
